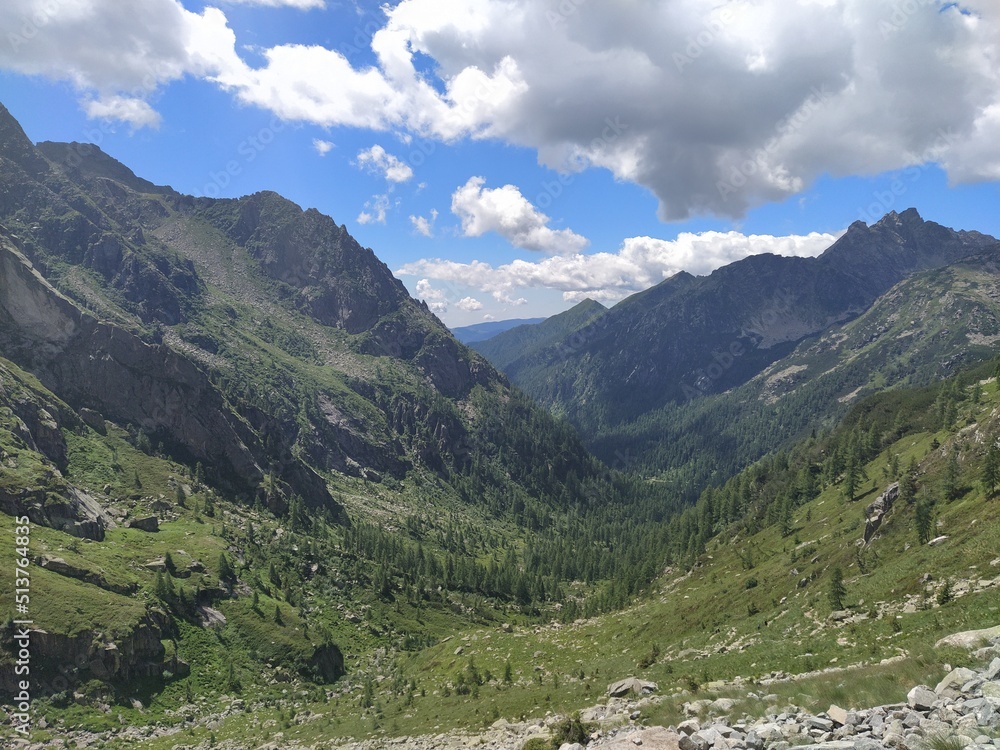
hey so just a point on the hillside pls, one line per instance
(515, 349)
(745, 618)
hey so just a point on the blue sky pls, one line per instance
(510, 157)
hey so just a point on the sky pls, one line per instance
(510, 158)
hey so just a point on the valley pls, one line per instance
(274, 503)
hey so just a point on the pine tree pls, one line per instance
(226, 572)
(923, 519)
(951, 486)
(991, 469)
(908, 482)
(836, 592)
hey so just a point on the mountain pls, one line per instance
(662, 381)
(510, 350)
(228, 414)
(489, 329)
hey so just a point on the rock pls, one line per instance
(688, 726)
(571, 746)
(937, 540)
(837, 714)
(653, 738)
(693, 742)
(951, 685)
(969, 639)
(993, 670)
(93, 420)
(159, 565)
(921, 698)
(991, 691)
(820, 723)
(631, 685)
(60, 566)
(147, 523)
(722, 705)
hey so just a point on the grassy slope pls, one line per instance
(711, 625)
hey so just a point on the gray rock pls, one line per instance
(951, 685)
(837, 714)
(912, 720)
(969, 639)
(816, 722)
(986, 716)
(921, 698)
(993, 670)
(991, 691)
(147, 523)
(688, 726)
(693, 742)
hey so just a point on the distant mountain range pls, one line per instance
(699, 375)
(489, 329)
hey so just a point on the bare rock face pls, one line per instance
(87, 655)
(875, 512)
(106, 369)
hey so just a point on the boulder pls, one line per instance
(837, 714)
(993, 670)
(60, 566)
(969, 639)
(631, 685)
(921, 698)
(951, 685)
(147, 523)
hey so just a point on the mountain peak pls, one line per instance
(16, 146)
(90, 161)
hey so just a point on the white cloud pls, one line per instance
(377, 160)
(508, 213)
(299, 4)
(423, 225)
(435, 298)
(135, 112)
(640, 263)
(469, 304)
(376, 210)
(322, 147)
(714, 107)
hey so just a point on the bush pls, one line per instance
(569, 731)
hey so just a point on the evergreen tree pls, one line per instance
(226, 572)
(836, 592)
(991, 468)
(923, 519)
(951, 485)
(908, 482)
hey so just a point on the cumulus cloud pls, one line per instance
(378, 161)
(299, 4)
(639, 263)
(436, 299)
(469, 304)
(423, 225)
(714, 107)
(508, 213)
(116, 59)
(135, 112)
(322, 147)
